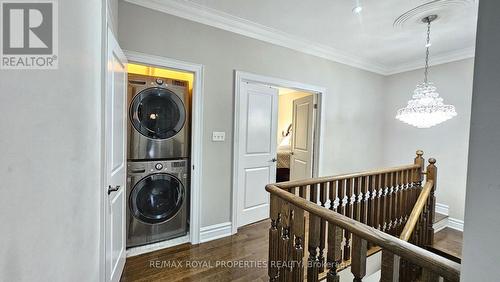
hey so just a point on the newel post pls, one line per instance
(431, 175)
(419, 160)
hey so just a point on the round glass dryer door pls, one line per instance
(156, 198)
(157, 113)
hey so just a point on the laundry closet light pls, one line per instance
(426, 108)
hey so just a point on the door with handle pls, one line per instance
(301, 158)
(256, 166)
(115, 160)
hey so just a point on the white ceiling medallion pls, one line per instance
(426, 108)
(446, 9)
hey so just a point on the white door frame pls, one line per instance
(196, 127)
(241, 77)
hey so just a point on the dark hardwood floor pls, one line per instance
(449, 241)
(204, 262)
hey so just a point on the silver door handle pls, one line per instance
(113, 189)
(274, 160)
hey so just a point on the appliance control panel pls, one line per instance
(139, 168)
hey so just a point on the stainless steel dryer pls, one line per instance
(159, 118)
(158, 201)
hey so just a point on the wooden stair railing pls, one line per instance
(418, 231)
(319, 226)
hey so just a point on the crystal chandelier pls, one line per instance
(426, 108)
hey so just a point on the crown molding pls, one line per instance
(212, 17)
(435, 60)
(215, 18)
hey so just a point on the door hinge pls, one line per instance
(315, 106)
(193, 167)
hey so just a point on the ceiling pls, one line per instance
(329, 28)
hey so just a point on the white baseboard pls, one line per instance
(440, 225)
(157, 246)
(456, 224)
(215, 231)
(450, 222)
(442, 208)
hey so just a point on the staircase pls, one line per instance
(326, 226)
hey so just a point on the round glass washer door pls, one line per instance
(157, 113)
(156, 198)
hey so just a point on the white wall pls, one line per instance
(481, 252)
(49, 199)
(447, 142)
(349, 124)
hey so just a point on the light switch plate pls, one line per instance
(218, 136)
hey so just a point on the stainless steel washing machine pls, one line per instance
(159, 118)
(158, 201)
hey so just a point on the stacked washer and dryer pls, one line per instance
(158, 159)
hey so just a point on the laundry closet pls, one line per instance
(158, 154)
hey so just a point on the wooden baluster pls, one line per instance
(390, 267)
(364, 200)
(397, 203)
(400, 213)
(303, 194)
(274, 238)
(358, 260)
(423, 235)
(431, 175)
(348, 213)
(332, 194)
(356, 206)
(406, 198)
(322, 238)
(370, 213)
(334, 255)
(383, 202)
(370, 220)
(394, 205)
(341, 193)
(298, 234)
(303, 191)
(390, 199)
(285, 241)
(377, 202)
(405, 212)
(314, 239)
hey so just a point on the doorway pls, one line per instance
(269, 146)
(143, 64)
(295, 134)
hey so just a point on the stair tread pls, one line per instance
(449, 241)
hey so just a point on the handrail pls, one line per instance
(417, 210)
(446, 268)
(310, 181)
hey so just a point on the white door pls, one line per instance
(258, 121)
(302, 138)
(115, 141)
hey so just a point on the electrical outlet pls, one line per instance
(218, 136)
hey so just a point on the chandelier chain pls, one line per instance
(427, 45)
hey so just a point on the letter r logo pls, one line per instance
(27, 28)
